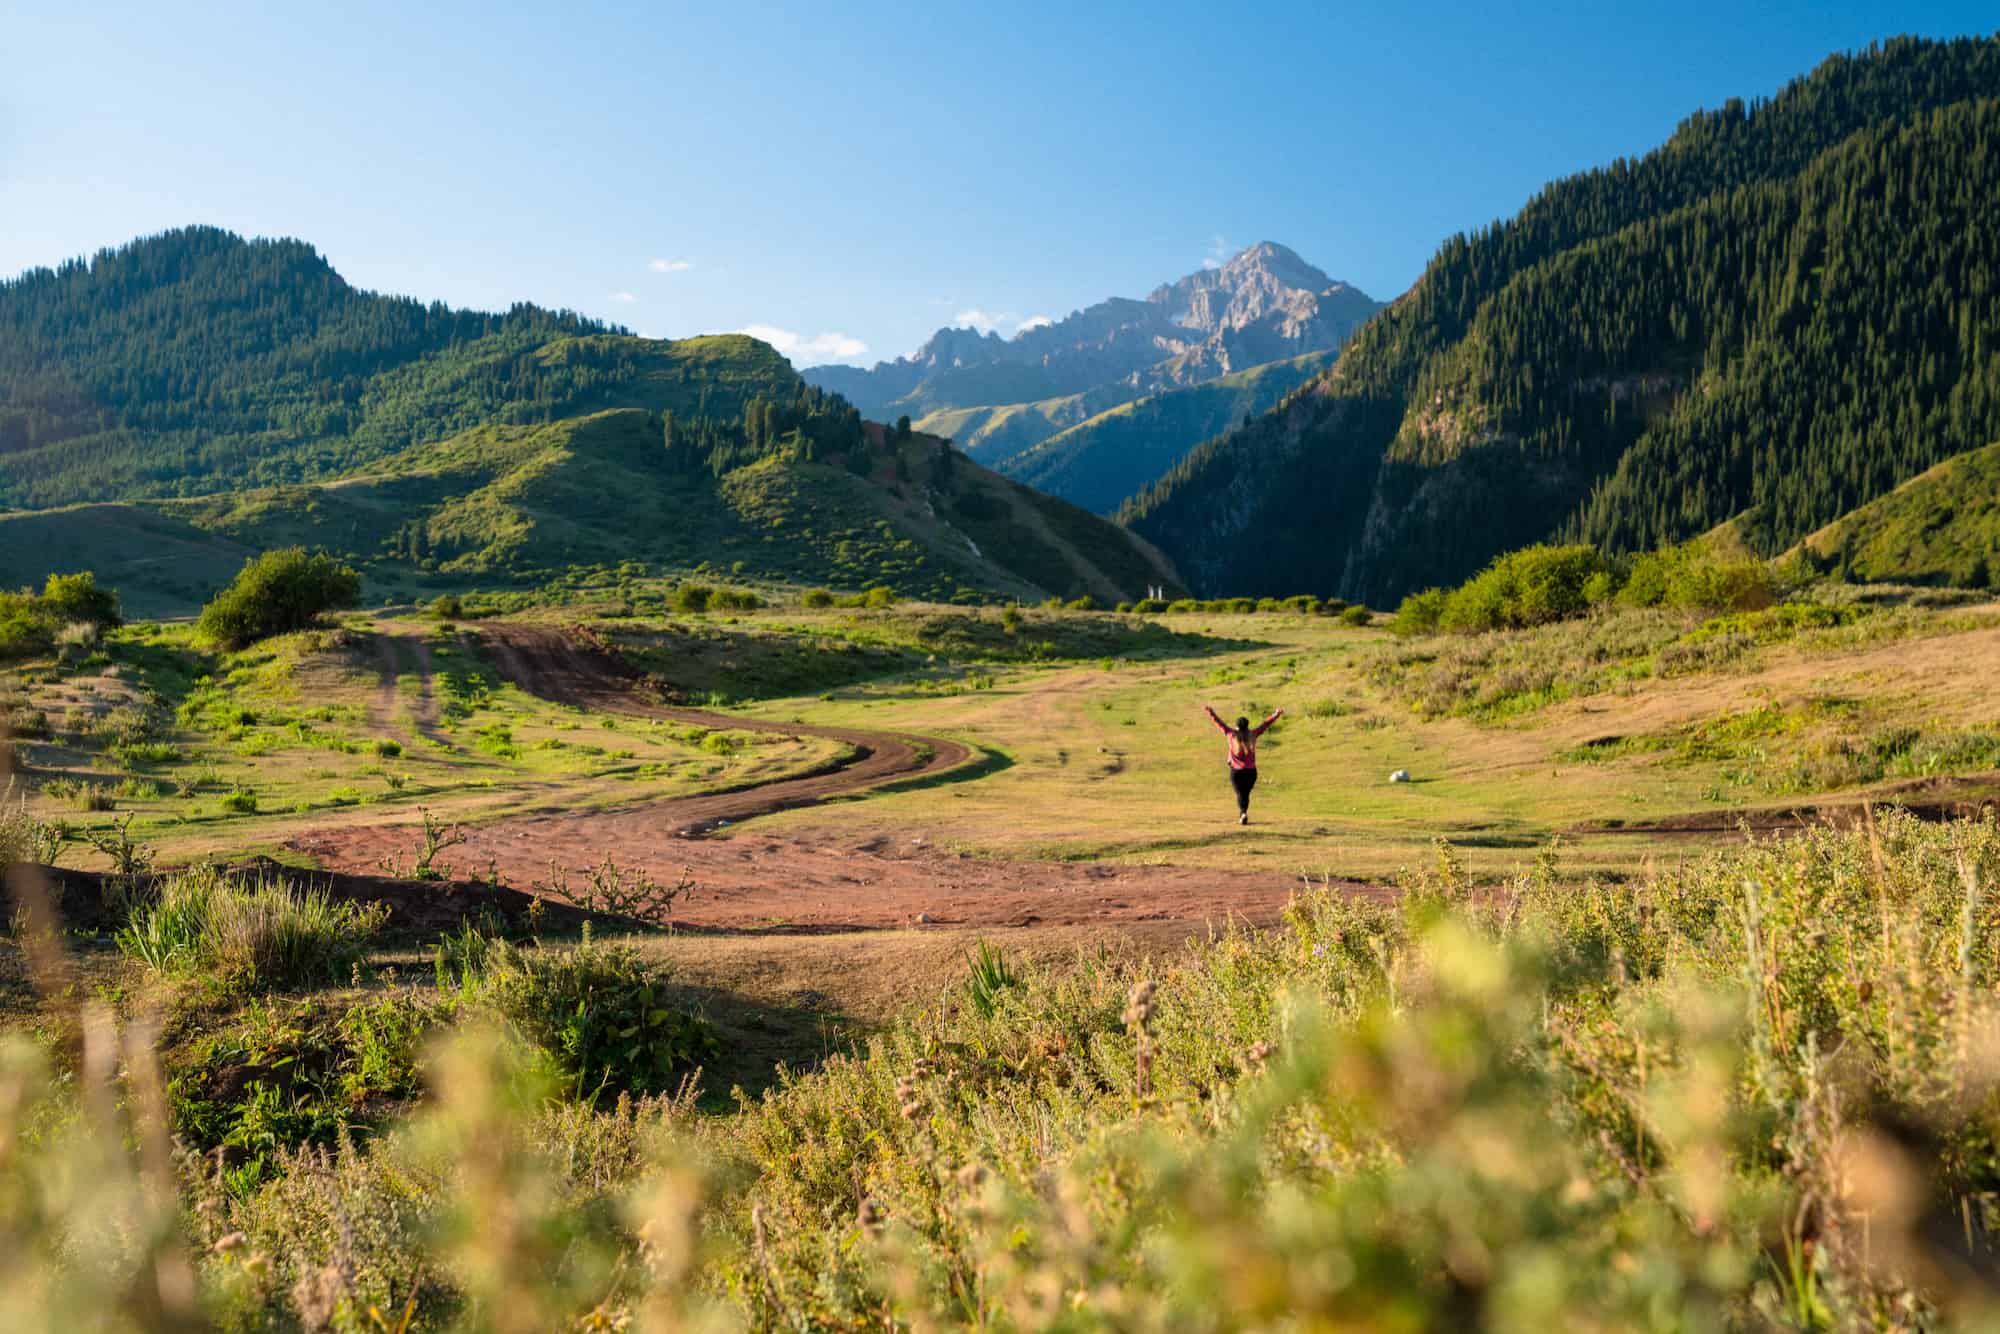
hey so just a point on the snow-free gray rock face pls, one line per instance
(1264, 305)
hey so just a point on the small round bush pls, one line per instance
(276, 593)
(1356, 616)
(73, 598)
(1084, 603)
(816, 597)
(693, 598)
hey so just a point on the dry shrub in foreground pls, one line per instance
(1755, 1092)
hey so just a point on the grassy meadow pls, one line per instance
(1766, 1049)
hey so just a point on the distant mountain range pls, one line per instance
(1778, 316)
(1000, 397)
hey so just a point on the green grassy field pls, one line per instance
(1583, 730)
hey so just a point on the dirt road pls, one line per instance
(743, 880)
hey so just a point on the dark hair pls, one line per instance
(1242, 724)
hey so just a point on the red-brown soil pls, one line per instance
(743, 880)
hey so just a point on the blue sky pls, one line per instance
(848, 177)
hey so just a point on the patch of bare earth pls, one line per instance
(817, 883)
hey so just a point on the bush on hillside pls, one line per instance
(1692, 579)
(448, 607)
(1540, 584)
(1356, 615)
(693, 598)
(1420, 613)
(600, 1015)
(816, 597)
(72, 598)
(1084, 603)
(276, 593)
(1532, 586)
(32, 622)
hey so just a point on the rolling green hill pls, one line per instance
(502, 506)
(1940, 527)
(1103, 461)
(994, 434)
(1787, 309)
(196, 361)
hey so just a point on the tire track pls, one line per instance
(550, 665)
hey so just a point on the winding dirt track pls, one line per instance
(546, 663)
(816, 883)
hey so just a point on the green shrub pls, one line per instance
(1356, 615)
(1149, 606)
(1084, 603)
(816, 598)
(1183, 606)
(600, 1015)
(1690, 578)
(275, 593)
(77, 598)
(388, 749)
(240, 801)
(693, 598)
(1419, 613)
(879, 597)
(249, 934)
(1305, 604)
(1532, 586)
(447, 607)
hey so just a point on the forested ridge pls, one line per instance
(1788, 308)
(197, 361)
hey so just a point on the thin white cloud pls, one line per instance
(997, 321)
(811, 349)
(1219, 250)
(623, 298)
(670, 265)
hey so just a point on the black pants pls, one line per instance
(1243, 780)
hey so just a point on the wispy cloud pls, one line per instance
(1219, 251)
(809, 348)
(671, 265)
(623, 298)
(998, 321)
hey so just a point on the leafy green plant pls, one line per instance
(991, 976)
(249, 934)
(603, 1018)
(277, 592)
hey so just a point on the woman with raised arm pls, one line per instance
(1243, 756)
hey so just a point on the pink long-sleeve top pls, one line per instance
(1243, 754)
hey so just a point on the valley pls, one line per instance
(1247, 808)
